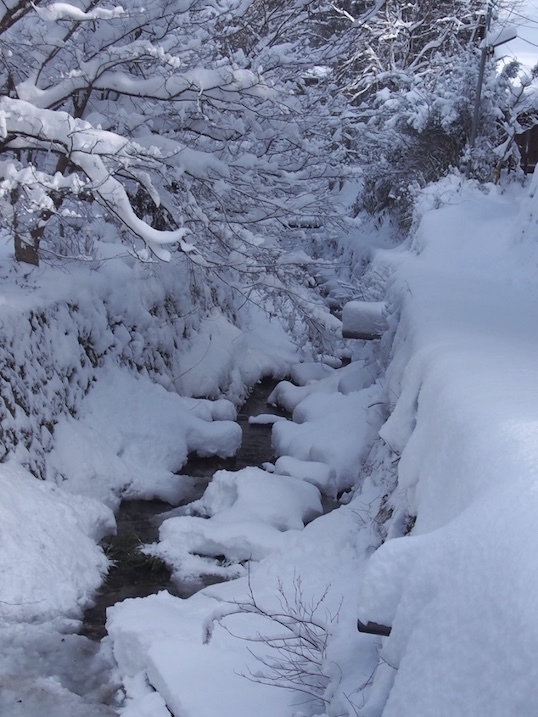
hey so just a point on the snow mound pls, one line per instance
(364, 320)
(320, 432)
(319, 474)
(48, 548)
(353, 377)
(240, 517)
(254, 494)
(132, 436)
(197, 547)
(158, 646)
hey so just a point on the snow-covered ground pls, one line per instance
(433, 456)
(460, 592)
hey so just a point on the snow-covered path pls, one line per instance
(461, 591)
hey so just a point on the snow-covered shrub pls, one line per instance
(291, 640)
(411, 74)
(415, 129)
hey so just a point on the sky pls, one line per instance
(523, 14)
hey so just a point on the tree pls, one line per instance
(410, 72)
(390, 38)
(151, 116)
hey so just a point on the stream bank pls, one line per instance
(134, 574)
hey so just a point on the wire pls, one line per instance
(523, 17)
(534, 44)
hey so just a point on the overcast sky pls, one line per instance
(523, 14)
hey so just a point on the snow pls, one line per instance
(136, 432)
(249, 527)
(182, 646)
(60, 10)
(459, 590)
(458, 593)
(240, 517)
(402, 489)
(264, 419)
(55, 567)
(350, 378)
(363, 319)
(61, 128)
(319, 474)
(433, 459)
(319, 431)
(174, 662)
(79, 411)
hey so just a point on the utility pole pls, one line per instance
(482, 68)
(490, 41)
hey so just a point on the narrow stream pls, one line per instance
(136, 575)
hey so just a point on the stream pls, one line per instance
(134, 574)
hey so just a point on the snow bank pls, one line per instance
(364, 320)
(460, 591)
(49, 559)
(132, 436)
(61, 326)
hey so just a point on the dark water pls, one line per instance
(256, 445)
(136, 575)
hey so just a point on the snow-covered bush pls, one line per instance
(291, 640)
(411, 74)
(413, 131)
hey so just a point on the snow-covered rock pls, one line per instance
(364, 320)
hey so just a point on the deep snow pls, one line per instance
(434, 461)
(459, 590)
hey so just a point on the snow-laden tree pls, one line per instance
(277, 34)
(152, 116)
(508, 110)
(410, 71)
(388, 38)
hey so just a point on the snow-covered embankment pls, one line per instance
(460, 591)
(86, 358)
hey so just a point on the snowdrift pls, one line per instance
(460, 591)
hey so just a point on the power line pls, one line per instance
(534, 44)
(523, 17)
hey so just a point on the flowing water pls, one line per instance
(135, 575)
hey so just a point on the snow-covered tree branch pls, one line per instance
(411, 72)
(169, 129)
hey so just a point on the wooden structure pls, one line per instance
(527, 143)
(374, 628)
